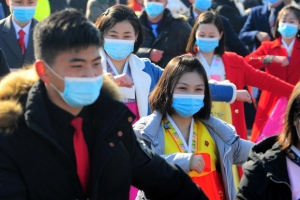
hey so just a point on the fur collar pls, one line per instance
(17, 84)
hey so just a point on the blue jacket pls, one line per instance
(257, 21)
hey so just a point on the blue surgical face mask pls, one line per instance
(287, 30)
(202, 5)
(207, 44)
(273, 1)
(186, 105)
(79, 91)
(23, 14)
(154, 9)
(118, 49)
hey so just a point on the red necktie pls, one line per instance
(81, 154)
(21, 41)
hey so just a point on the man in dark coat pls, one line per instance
(165, 36)
(11, 41)
(63, 132)
(228, 9)
(3, 64)
(258, 27)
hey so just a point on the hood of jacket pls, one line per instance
(14, 88)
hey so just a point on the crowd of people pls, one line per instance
(105, 99)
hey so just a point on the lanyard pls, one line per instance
(112, 66)
(293, 156)
(288, 48)
(187, 146)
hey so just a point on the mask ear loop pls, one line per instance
(53, 71)
(55, 75)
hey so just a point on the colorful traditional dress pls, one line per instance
(221, 110)
(216, 71)
(269, 100)
(200, 142)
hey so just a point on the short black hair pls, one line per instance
(66, 30)
(208, 17)
(119, 13)
(161, 98)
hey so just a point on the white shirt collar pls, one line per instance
(195, 14)
(26, 29)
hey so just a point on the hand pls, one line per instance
(263, 36)
(123, 80)
(155, 55)
(197, 163)
(109, 75)
(282, 60)
(247, 11)
(243, 95)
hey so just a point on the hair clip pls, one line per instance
(106, 12)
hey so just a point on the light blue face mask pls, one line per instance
(273, 1)
(79, 91)
(153, 9)
(207, 44)
(202, 5)
(186, 105)
(287, 30)
(118, 49)
(23, 14)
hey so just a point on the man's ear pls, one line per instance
(41, 70)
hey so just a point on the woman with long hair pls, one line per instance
(206, 43)
(273, 167)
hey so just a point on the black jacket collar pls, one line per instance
(269, 153)
(167, 18)
(103, 110)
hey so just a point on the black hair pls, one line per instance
(288, 8)
(161, 97)
(66, 30)
(208, 17)
(120, 13)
